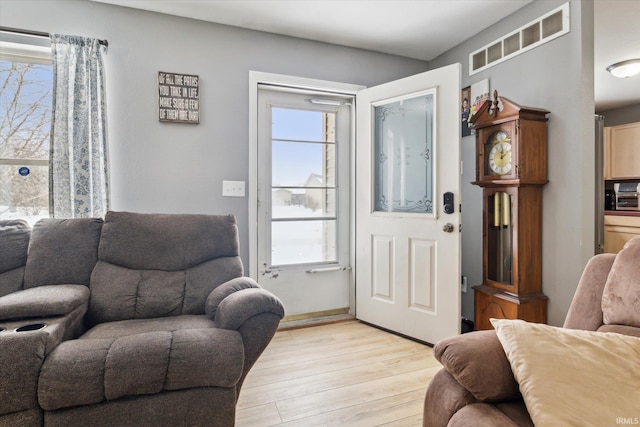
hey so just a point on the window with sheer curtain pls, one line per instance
(53, 147)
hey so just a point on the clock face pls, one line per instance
(499, 159)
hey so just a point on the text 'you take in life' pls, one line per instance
(178, 98)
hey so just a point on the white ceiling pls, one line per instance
(421, 29)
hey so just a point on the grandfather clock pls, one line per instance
(511, 168)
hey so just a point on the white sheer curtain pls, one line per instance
(78, 169)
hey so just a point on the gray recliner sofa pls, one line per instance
(134, 320)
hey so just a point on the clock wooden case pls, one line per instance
(511, 147)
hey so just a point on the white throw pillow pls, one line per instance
(571, 377)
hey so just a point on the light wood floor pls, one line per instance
(342, 374)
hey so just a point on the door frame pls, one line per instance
(257, 78)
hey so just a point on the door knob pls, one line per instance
(448, 228)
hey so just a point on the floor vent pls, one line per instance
(544, 29)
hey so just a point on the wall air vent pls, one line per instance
(544, 29)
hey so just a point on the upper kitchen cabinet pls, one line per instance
(622, 151)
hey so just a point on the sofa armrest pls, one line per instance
(24, 345)
(21, 356)
(224, 290)
(240, 306)
(43, 301)
(478, 362)
(445, 396)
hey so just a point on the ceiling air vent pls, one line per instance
(546, 28)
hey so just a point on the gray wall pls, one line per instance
(159, 167)
(179, 168)
(621, 116)
(557, 76)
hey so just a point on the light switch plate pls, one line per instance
(233, 188)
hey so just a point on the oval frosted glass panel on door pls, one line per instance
(403, 162)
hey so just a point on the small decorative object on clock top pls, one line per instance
(511, 142)
(511, 168)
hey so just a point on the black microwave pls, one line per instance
(627, 196)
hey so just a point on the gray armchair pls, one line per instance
(140, 319)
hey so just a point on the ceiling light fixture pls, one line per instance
(625, 69)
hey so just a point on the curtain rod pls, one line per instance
(104, 43)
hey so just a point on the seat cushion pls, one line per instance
(92, 370)
(140, 326)
(43, 301)
(621, 329)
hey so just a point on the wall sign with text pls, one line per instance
(178, 98)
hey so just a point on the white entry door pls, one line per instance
(407, 246)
